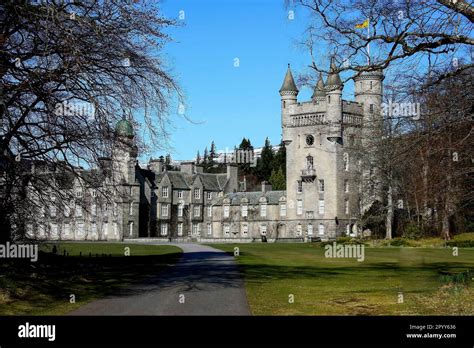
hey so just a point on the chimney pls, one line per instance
(232, 177)
(156, 165)
(266, 186)
(187, 167)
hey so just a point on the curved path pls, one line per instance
(205, 281)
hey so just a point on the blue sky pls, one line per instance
(228, 103)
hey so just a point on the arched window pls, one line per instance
(329, 99)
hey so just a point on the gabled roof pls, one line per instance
(183, 181)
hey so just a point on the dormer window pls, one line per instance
(197, 193)
(164, 191)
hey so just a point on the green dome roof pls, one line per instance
(124, 128)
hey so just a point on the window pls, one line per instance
(346, 185)
(78, 193)
(299, 230)
(41, 230)
(209, 195)
(329, 99)
(346, 206)
(321, 229)
(245, 210)
(321, 206)
(371, 108)
(309, 140)
(371, 85)
(164, 210)
(209, 211)
(299, 207)
(130, 208)
(346, 161)
(78, 210)
(245, 230)
(226, 211)
(180, 194)
(180, 209)
(348, 229)
(300, 186)
(195, 230)
(130, 229)
(105, 229)
(67, 230)
(309, 162)
(226, 230)
(321, 185)
(196, 211)
(80, 229)
(164, 229)
(263, 210)
(180, 229)
(197, 193)
(94, 193)
(164, 192)
(263, 230)
(283, 210)
(310, 229)
(209, 229)
(93, 209)
(54, 231)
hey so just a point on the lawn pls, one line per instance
(390, 281)
(89, 271)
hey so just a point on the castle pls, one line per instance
(323, 196)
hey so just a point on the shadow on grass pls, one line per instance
(32, 288)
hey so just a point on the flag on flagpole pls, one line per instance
(365, 24)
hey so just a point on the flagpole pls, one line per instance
(368, 43)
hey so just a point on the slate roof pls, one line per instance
(273, 197)
(183, 181)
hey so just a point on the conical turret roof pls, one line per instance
(289, 85)
(319, 89)
(334, 80)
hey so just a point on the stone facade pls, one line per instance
(323, 186)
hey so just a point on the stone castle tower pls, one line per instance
(322, 137)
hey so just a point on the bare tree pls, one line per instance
(69, 70)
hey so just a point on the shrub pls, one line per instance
(412, 231)
(396, 242)
(460, 243)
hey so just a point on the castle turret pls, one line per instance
(368, 92)
(289, 94)
(333, 89)
(125, 152)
